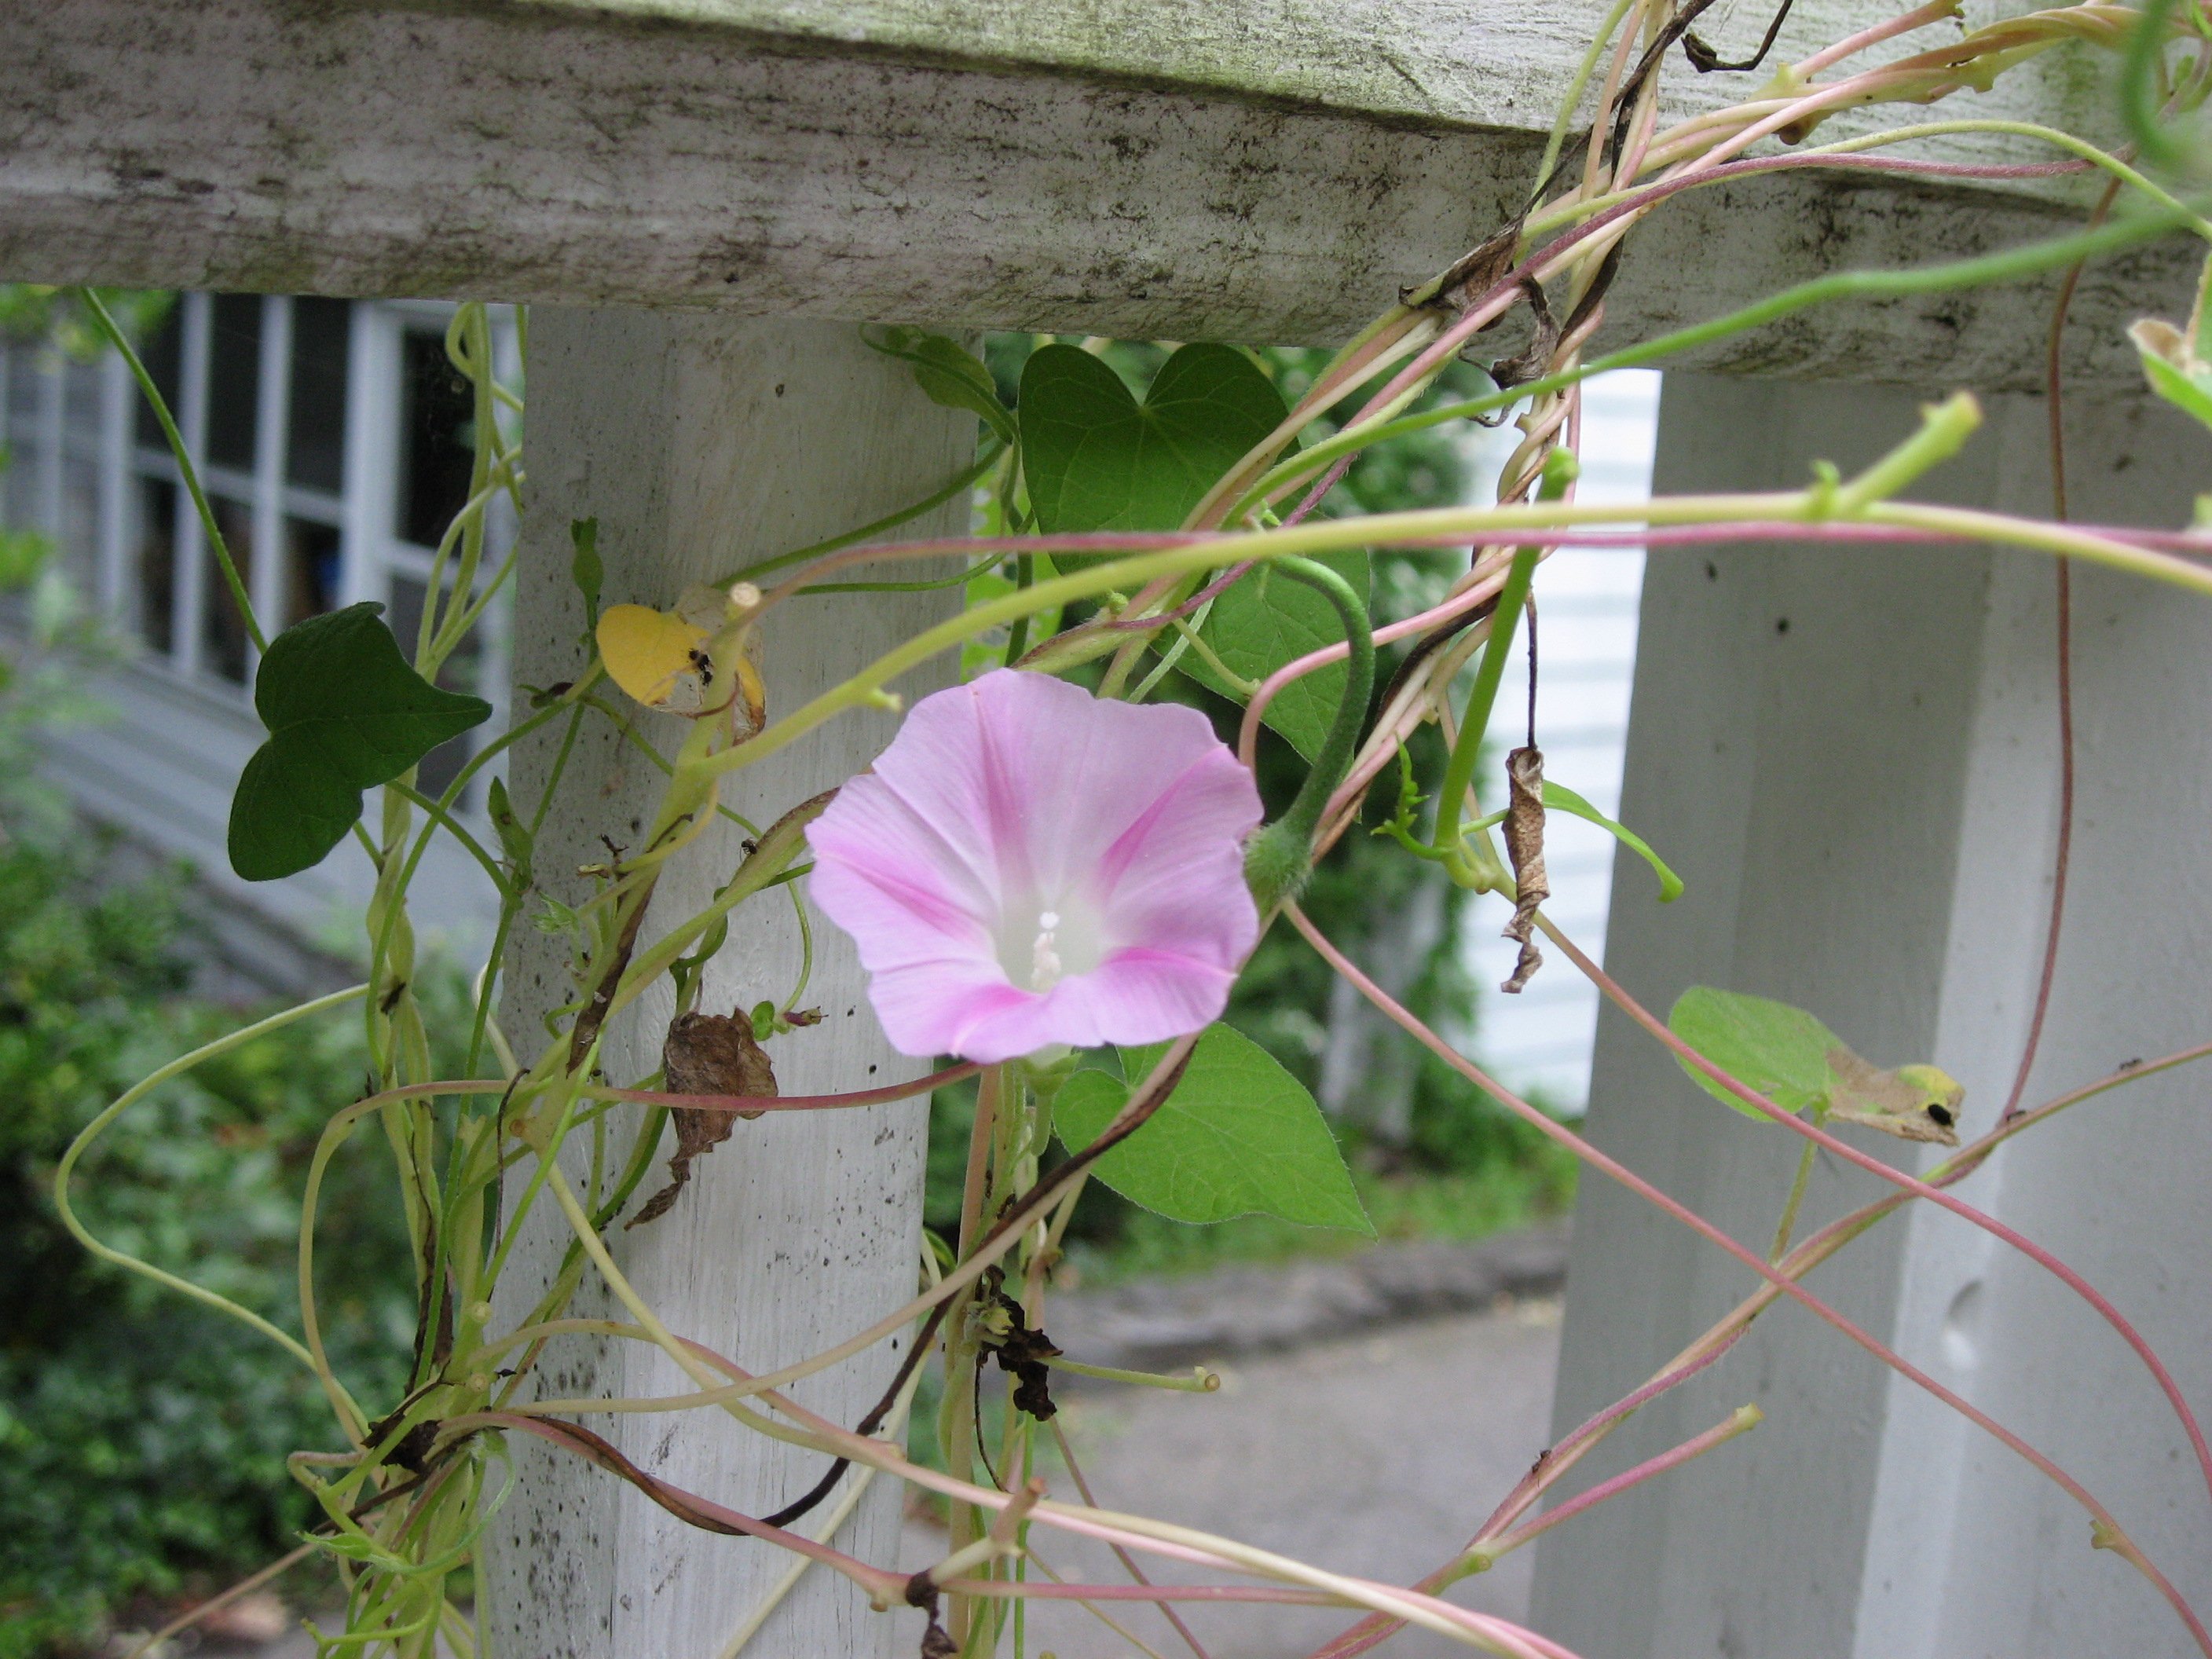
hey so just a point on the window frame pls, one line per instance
(365, 512)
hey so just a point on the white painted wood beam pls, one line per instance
(1252, 169)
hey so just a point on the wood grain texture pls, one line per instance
(1256, 169)
(700, 442)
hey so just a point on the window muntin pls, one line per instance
(333, 438)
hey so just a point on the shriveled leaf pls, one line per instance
(1558, 798)
(1095, 458)
(1268, 620)
(1781, 1051)
(706, 1055)
(346, 712)
(2174, 374)
(1913, 1102)
(1239, 1135)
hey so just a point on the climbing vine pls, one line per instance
(1055, 876)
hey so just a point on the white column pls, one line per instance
(700, 444)
(1851, 755)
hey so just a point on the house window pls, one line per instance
(333, 439)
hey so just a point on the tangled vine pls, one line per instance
(1056, 880)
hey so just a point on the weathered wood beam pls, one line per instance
(1246, 169)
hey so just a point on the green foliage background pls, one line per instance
(142, 1438)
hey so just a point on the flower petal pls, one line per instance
(1007, 796)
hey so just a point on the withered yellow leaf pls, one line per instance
(657, 658)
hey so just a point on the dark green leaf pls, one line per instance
(345, 711)
(1268, 620)
(1097, 459)
(1780, 1051)
(949, 375)
(1239, 1135)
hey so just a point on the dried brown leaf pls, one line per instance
(706, 1055)
(1524, 845)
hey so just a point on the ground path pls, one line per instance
(1377, 1456)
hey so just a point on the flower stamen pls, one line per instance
(1045, 966)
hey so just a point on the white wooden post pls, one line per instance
(699, 444)
(1852, 758)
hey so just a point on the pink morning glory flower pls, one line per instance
(1029, 865)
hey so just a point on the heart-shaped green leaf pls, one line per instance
(1795, 1061)
(1239, 1135)
(1095, 458)
(1268, 620)
(345, 711)
(1781, 1051)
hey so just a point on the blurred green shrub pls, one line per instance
(141, 1438)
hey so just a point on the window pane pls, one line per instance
(436, 452)
(461, 672)
(160, 351)
(157, 564)
(223, 630)
(311, 570)
(234, 380)
(316, 446)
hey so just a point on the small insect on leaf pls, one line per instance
(346, 712)
(688, 659)
(655, 656)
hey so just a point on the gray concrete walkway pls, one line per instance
(1378, 1455)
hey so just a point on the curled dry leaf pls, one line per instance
(1913, 1102)
(1524, 845)
(706, 1055)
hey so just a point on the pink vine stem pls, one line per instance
(1698, 1446)
(1912, 1184)
(2119, 1540)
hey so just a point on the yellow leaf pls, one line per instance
(653, 656)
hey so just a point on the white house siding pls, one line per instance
(1539, 1041)
(163, 767)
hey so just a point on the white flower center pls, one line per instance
(1040, 945)
(1044, 956)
